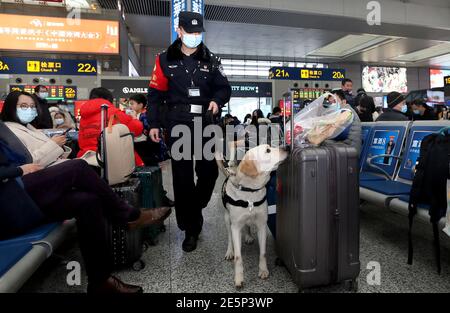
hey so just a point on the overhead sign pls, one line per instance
(251, 90)
(57, 34)
(179, 6)
(55, 92)
(295, 73)
(125, 88)
(47, 66)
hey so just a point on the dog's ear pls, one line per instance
(248, 167)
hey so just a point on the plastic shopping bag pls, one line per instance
(317, 123)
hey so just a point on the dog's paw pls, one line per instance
(263, 274)
(249, 239)
(229, 256)
(239, 284)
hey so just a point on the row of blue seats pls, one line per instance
(20, 257)
(388, 156)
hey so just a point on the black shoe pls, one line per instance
(190, 243)
(114, 285)
(167, 202)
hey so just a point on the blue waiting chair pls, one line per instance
(21, 256)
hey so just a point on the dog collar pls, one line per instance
(242, 188)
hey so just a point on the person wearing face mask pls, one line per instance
(19, 111)
(44, 119)
(189, 80)
(396, 108)
(353, 136)
(422, 111)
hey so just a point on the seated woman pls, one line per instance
(19, 110)
(72, 190)
(61, 120)
(90, 125)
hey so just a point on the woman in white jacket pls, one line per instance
(19, 111)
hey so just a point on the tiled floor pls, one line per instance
(169, 269)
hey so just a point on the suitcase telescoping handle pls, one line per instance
(291, 121)
(103, 123)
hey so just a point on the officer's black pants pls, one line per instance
(191, 197)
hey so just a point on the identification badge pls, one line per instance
(194, 92)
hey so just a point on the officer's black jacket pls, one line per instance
(169, 84)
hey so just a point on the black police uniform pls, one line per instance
(187, 85)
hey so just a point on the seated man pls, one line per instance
(72, 190)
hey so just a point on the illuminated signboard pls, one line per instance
(294, 73)
(56, 92)
(56, 34)
(447, 81)
(47, 66)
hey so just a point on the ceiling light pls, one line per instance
(349, 45)
(428, 53)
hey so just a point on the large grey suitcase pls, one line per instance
(318, 216)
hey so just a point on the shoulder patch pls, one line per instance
(222, 71)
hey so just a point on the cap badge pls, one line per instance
(194, 22)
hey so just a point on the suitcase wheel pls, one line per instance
(279, 262)
(138, 265)
(352, 285)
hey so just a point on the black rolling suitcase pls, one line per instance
(318, 215)
(126, 245)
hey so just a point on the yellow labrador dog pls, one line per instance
(244, 198)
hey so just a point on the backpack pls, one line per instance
(115, 152)
(430, 186)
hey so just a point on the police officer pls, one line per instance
(190, 81)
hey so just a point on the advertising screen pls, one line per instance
(384, 142)
(56, 34)
(384, 79)
(437, 77)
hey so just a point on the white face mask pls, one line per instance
(43, 95)
(59, 121)
(191, 40)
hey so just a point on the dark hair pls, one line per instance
(38, 87)
(259, 114)
(276, 110)
(139, 99)
(340, 93)
(367, 103)
(9, 112)
(420, 102)
(60, 113)
(346, 80)
(361, 90)
(101, 93)
(247, 116)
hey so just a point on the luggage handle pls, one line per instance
(103, 118)
(291, 146)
